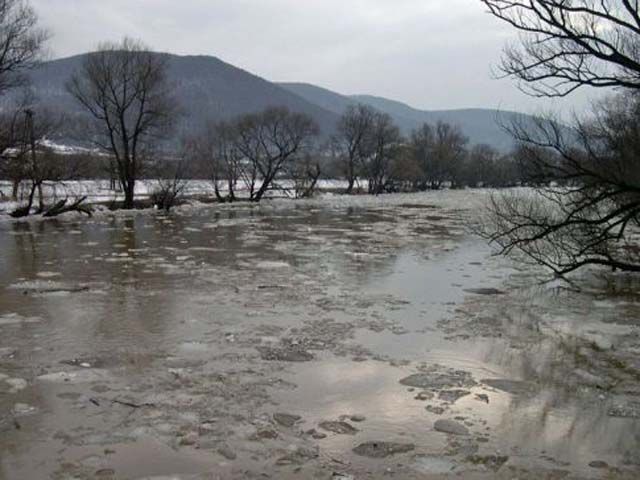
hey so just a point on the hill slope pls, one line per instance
(205, 87)
(208, 88)
(480, 125)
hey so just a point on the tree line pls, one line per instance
(124, 89)
(369, 147)
(583, 207)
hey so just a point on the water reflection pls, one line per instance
(189, 289)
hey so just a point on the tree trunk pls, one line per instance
(216, 190)
(349, 190)
(40, 199)
(232, 194)
(266, 183)
(32, 194)
(112, 176)
(129, 194)
(15, 189)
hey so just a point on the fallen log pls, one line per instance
(61, 207)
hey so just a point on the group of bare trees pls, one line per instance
(24, 158)
(366, 146)
(370, 150)
(585, 207)
(21, 43)
(254, 152)
(124, 88)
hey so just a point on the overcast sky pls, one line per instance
(432, 54)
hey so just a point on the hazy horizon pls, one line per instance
(435, 55)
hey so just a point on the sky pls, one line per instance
(431, 54)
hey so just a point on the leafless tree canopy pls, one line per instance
(11, 134)
(215, 150)
(585, 207)
(566, 44)
(21, 42)
(384, 142)
(270, 142)
(27, 160)
(486, 166)
(255, 150)
(171, 178)
(352, 140)
(369, 146)
(124, 88)
(440, 152)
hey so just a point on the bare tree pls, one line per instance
(352, 140)
(481, 165)
(217, 152)
(124, 88)
(21, 45)
(21, 42)
(406, 174)
(12, 164)
(487, 167)
(39, 166)
(584, 208)
(440, 152)
(305, 174)
(171, 182)
(385, 140)
(569, 44)
(270, 142)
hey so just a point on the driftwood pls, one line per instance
(56, 209)
(133, 405)
(124, 403)
(62, 207)
(20, 212)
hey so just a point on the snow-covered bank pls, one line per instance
(98, 191)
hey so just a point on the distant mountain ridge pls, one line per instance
(208, 88)
(205, 87)
(480, 125)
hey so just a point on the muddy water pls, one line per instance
(150, 345)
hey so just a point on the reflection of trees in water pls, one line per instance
(30, 245)
(282, 234)
(22, 257)
(136, 309)
(346, 245)
(560, 415)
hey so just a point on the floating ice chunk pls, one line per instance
(81, 376)
(434, 465)
(23, 409)
(16, 384)
(48, 274)
(270, 265)
(15, 319)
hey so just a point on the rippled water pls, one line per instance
(151, 343)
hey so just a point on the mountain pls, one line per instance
(208, 88)
(480, 125)
(205, 87)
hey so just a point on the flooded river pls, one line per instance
(337, 338)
